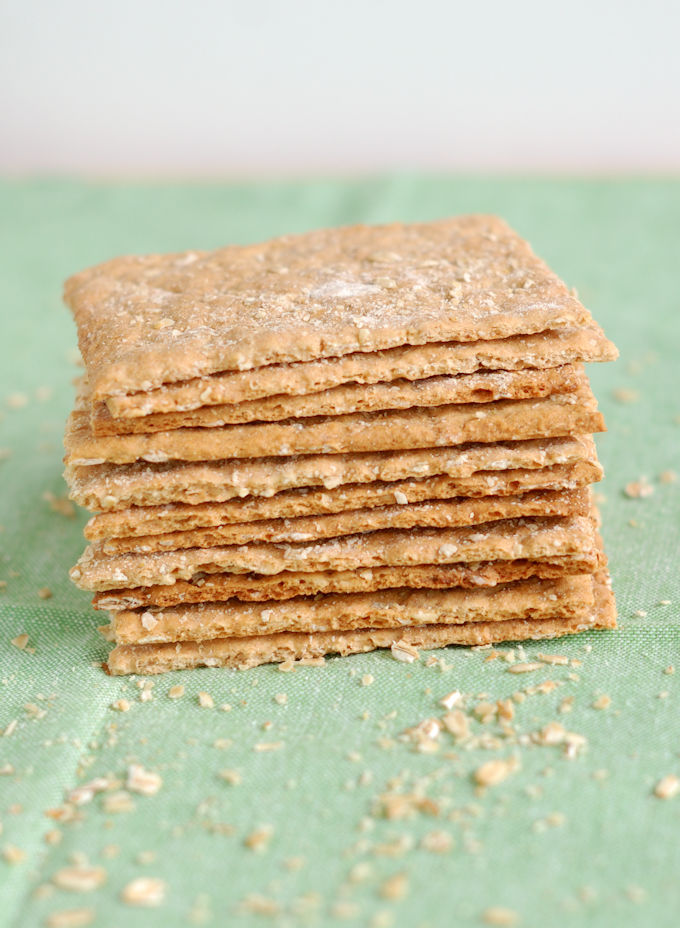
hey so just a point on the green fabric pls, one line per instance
(618, 243)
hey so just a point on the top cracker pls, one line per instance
(145, 321)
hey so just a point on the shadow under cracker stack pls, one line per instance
(335, 442)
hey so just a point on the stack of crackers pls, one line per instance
(351, 439)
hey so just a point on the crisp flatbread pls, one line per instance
(429, 514)
(509, 539)
(394, 430)
(111, 487)
(146, 321)
(565, 598)
(350, 398)
(287, 584)
(243, 653)
(293, 504)
(411, 362)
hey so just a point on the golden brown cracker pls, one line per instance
(290, 504)
(351, 398)
(566, 597)
(111, 487)
(429, 514)
(145, 321)
(249, 652)
(505, 540)
(286, 585)
(395, 430)
(540, 350)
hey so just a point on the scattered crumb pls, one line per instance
(205, 700)
(668, 476)
(395, 887)
(640, 614)
(558, 659)
(437, 842)
(670, 669)
(667, 787)
(143, 781)
(120, 801)
(450, 700)
(70, 918)
(144, 890)
(625, 395)
(602, 702)
(60, 504)
(404, 652)
(233, 777)
(494, 772)
(259, 839)
(17, 400)
(367, 679)
(639, 489)
(500, 916)
(20, 641)
(525, 667)
(176, 692)
(121, 705)
(45, 592)
(267, 746)
(79, 879)
(13, 854)
(281, 698)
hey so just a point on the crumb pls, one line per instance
(625, 395)
(143, 781)
(281, 699)
(259, 839)
(20, 641)
(13, 854)
(602, 702)
(525, 667)
(267, 746)
(395, 887)
(403, 651)
(668, 476)
(494, 772)
(205, 700)
(176, 692)
(70, 918)
(367, 679)
(80, 879)
(233, 777)
(145, 891)
(500, 916)
(639, 489)
(121, 705)
(45, 592)
(667, 787)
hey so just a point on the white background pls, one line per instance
(257, 87)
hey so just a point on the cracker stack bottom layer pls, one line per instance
(352, 439)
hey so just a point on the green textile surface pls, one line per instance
(613, 860)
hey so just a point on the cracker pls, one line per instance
(566, 597)
(145, 321)
(398, 394)
(286, 585)
(261, 649)
(395, 430)
(505, 540)
(158, 520)
(113, 487)
(440, 514)
(540, 350)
